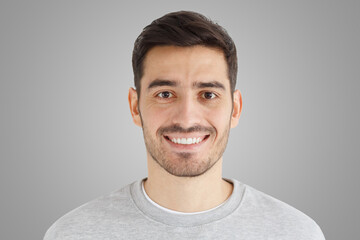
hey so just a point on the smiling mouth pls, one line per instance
(186, 141)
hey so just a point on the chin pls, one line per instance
(187, 166)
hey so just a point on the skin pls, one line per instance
(185, 93)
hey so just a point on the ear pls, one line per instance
(134, 106)
(236, 109)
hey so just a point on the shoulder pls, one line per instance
(93, 216)
(280, 219)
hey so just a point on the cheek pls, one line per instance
(154, 117)
(219, 117)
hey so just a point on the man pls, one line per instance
(185, 100)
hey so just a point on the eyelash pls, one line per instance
(214, 95)
(158, 94)
(202, 95)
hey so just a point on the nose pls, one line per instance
(187, 112)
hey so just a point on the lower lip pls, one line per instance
(188, 147)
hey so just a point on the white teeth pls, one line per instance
(186, 140)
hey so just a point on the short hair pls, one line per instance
(183, 29)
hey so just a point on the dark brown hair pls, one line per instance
(184, 29)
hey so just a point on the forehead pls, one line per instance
(185, 65)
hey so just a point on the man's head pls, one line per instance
(187, 104)
(183, 29)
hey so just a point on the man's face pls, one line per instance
(185, 108)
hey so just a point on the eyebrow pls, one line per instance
(213, 84)
(161, 82)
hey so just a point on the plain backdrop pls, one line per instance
(67, 137)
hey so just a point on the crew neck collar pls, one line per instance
(173, 211)
(184, 220)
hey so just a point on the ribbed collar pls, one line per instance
(179, 220)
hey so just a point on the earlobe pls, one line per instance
(134, 106)
(237, 107)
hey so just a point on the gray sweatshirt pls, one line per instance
(128, 213)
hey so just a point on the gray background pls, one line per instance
(66, 135)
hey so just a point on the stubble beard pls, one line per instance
(184, 164)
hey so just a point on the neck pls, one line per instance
(187, 194)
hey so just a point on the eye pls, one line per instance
(208, 95)
(165, 94)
